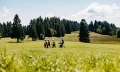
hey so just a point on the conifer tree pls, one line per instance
(84, 32)
(32, 29)
(17, 30)
(1, 31)
(118, 33)
(95, 25)
(9, 27)
(91, 26)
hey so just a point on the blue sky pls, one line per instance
(69, 9)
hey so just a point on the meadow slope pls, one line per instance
(101, 55)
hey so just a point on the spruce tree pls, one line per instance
(68, 27)
(1, 31)
(58, 29)
(62, 29)
(106, 28)
(47, 28)
(4, 30)
(40, 28)
(17, 30)
(32, 29)
(9, 27)
(91, 26)
(95, 25)
(84, 32)
(118, 33)
(113, 30)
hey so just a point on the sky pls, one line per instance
(76, 10)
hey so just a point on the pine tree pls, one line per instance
(95, 25)
(1, 31)
(106, 29)
(32, 29)
(84, 32)
(91, 26)
(62, 29)
(67, 25)
(17, 30)
(40, 28)
(58, 29)
(25, 30)
(47, 28)
(113, 30)
(9, 27)
(4, 30)
(118, 33)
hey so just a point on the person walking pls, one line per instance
(49, 43)
(61, 43)
(53, 44)
(45, 44)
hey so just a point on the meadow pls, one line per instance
(101, 55)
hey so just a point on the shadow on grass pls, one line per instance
(14, 42)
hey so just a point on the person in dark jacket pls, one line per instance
(45, 44)
(61, 43)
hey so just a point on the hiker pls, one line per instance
(61, 43)
(48, 43)
(53, 44)
(45, 43)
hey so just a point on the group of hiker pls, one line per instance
(48, 44)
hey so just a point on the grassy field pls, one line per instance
(101, 55)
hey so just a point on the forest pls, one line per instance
(40, 28)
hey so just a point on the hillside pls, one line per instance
(95, 38)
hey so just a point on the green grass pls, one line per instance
(101, 55)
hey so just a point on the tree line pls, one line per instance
(39, 28)
(99, 27)
(103, 28)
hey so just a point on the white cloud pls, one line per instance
(6, 15)
(96, 11)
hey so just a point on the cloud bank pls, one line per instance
(96, 11)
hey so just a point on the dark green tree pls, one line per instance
(68, 27)
(113, 30)
(40, 28)
(4, 30)
(47, 28)
(62, 28)
(1, 31)
(9, 27)
(17, 30)
(118, 33)
(95, 25)
(106, 29)
(84, 32)
(32, 29)
(91, 26)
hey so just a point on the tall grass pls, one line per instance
(30, 56)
